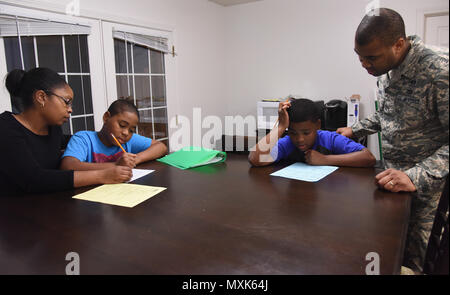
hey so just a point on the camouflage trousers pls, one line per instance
(422, 214)
(423, 211)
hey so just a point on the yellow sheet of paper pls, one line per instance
(121, 194)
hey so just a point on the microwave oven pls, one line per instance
(267, 112)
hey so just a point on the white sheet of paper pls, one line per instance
(138, 173)
(305, 172)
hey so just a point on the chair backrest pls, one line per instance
(335, 114)
(436, 258)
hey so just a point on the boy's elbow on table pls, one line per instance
(165, 149)
(161, 147)
(370, 159)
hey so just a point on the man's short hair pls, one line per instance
(303, 110)
(381, 23)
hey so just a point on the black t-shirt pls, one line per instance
(30, 162)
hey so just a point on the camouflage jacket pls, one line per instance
(413, 116)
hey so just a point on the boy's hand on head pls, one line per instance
(127, 159)
(394, 181)
(283, 117)
(313, 157)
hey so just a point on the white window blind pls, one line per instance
(156, 43)
(11, 25)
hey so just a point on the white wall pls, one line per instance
(231, 57)
(281, 47)
(198, 27)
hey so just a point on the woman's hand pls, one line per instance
(116, 174)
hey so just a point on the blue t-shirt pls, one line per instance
(87, 147)
(327, 143)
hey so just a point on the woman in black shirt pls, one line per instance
(32, 140)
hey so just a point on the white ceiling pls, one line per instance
(232, 2)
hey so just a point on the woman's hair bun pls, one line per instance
(13, 81)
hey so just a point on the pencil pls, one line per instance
(118, 143)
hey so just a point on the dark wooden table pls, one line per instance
(224, 218)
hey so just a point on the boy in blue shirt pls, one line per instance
(305, 142)
(90, 150)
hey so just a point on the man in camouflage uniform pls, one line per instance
(412, 118)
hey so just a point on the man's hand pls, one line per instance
(346, 131)
(394, 181)
(313, 157)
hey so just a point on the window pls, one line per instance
(120, 60)
(140, 77)
(66, 54)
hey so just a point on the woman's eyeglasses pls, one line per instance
(68, 102)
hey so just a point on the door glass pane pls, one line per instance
(50, 52)
(129, 53)
(140, 59)
(12, 53)
(87, 94)
(158, 91)
(73, 63)
(66, 128)
(122, 87)
(77, 104)
(120, 57)
(130, 87)
(77, 49)
(148, 87)
(79, 124)
(157, 61)
(145, 123)
(84, 54)
(90, 123)
(160, 121)
(142, 91)
(28, 53)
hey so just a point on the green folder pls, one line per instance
(190, 157)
